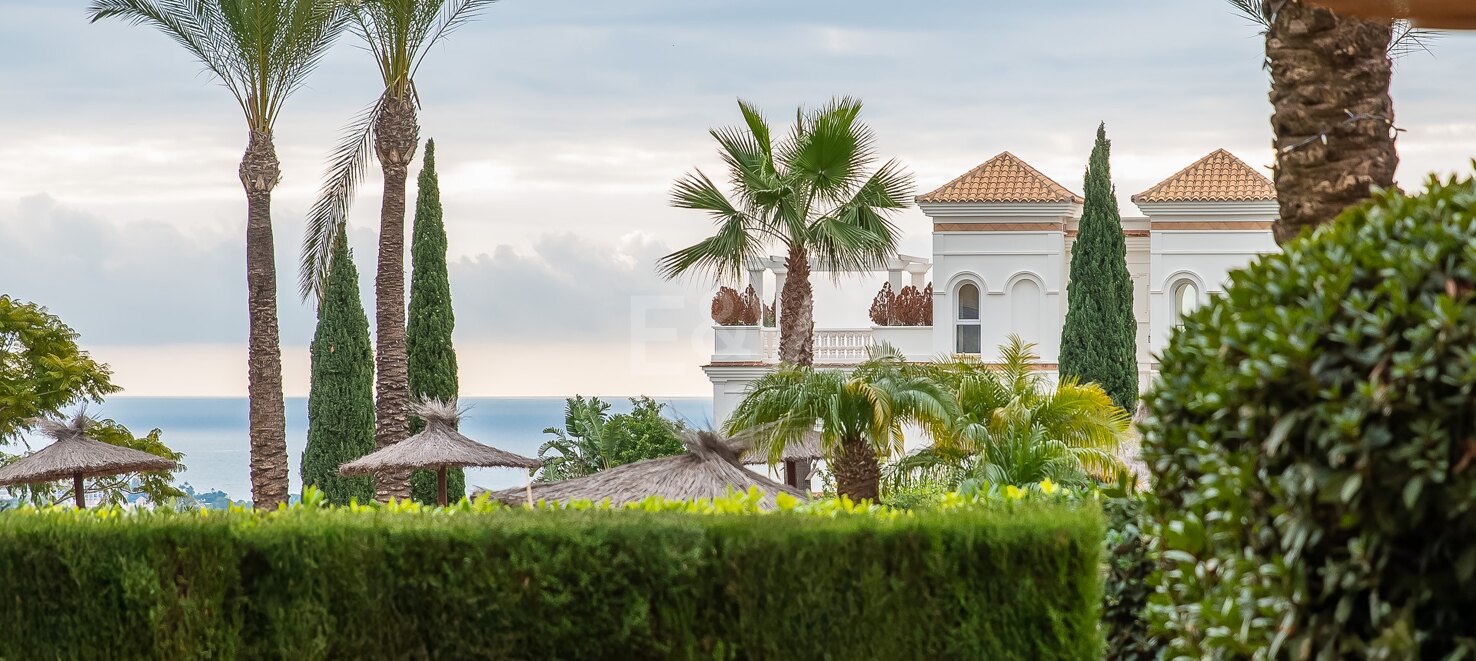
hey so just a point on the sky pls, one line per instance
(560, 126)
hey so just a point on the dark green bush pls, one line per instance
(1313, 433)
(1020, 583)
(1125, 589)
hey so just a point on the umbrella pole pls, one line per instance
(530, 488)
(77, 491)
(441, 485)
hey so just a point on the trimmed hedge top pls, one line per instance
(1019, 581)
(1313, 434)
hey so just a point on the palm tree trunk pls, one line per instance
(396, 135)
(797, 310)
(259, 173)
(857, 472)
(1333, 117)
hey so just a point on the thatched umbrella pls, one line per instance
(439, 447)
(76, 456)
(708, 469)
(1438, 14)
(797, 455)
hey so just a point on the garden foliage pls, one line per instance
(43, 370)
(730, 308)
(593, 439)
(477, 581)
(1314, 444)
(909, 307)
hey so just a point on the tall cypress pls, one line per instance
(429, 325)
(341, 401)
(1099, 339)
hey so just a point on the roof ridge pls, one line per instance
(1219, 176)
(1005, 177)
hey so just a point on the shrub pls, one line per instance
(1125, 590)
(974, 582)
(1312, 436)
(727, 307)
(730, 308)
(751, 309)
(909, 307)
(883, 305)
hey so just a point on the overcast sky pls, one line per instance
(560, 126)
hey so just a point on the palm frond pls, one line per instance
(328, 216)
(726, 253)
(454, 14)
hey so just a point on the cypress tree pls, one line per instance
(430, 322)
(341, 401)
(1099, 339)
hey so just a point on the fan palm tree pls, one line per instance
(860, 415)
(1013, 428)
(399, 34)
(807, 193)
(1332, 114)
(261, 51)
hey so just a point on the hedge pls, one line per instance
(335, 583)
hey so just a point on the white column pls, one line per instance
(894, 278)
(756, 278)
(780, 273)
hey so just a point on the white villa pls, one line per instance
(1002, 237)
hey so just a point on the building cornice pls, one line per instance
(1057, 210)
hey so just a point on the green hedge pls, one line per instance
(999, 584)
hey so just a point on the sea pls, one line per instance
(212, 433)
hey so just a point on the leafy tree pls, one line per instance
(1332, 114)
(808, 194)
(428, 336)
(1099, 341)
(157, 486)
(261, 51)
(592, 440)
(42, 370)
(398, 34)
(341, 398)
(1013, 428)
(860, 415)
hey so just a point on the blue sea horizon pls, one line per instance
(212, 432)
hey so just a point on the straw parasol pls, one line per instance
(439, 446)
(708, 469)
(76, 456)
(1438, 14)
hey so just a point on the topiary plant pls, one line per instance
(727, 307)
(1313, 437)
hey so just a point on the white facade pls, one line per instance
(1002, 240)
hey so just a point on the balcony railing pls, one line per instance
(833, 346)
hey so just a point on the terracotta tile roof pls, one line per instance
(1004, 178)
(1219, 177)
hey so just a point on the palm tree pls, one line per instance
(809, 194)
(262, 51)
(1013, 428)
(860, 415)
(399, 34)
(1332, 114)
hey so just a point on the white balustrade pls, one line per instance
(841, 345)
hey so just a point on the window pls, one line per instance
(967, 330)
(1185, 300)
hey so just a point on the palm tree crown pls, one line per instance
(1013, 428)
(860, 415)
(809, 190)
(261, 50)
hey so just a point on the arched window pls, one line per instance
(1184, 300)
(966, 327)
